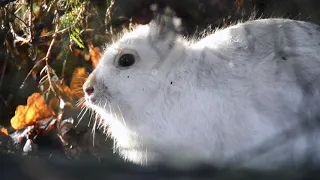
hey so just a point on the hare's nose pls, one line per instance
(89, 85)
(88, 89)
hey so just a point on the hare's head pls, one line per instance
(130, 70)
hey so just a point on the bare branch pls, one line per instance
(30, 20)
(16, 16)
(108, 15)
(46, 58)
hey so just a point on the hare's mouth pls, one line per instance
(97, 97)
(100, 103)
(92, 101)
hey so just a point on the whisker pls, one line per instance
(97, 120)
(93, 131)
(104, 128)
(82, 116)
(100, 121)
(124, 122)
(80, 101)
(91, 113)
(110, 110)
(82, 109)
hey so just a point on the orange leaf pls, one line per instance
(78, 78)
(95, 55)
(4, 131)
(67, 91)
(36, 109)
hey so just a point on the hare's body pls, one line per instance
(253, 85)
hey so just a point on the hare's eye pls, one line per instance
(126, 60)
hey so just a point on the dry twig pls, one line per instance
(12, 13)
(108, 15)
(30, 21)
(46, 58)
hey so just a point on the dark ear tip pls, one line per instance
(154, 7)
(162, 9)
(168, 11)
(165, 17)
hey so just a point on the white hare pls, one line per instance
(246, 96)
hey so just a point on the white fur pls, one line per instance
(231, 91)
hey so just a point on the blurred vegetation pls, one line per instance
(50, 46)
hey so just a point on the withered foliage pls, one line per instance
(35, 110)
(4, 131)
(47, 48)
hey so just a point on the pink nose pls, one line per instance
(89, 90)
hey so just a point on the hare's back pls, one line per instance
(271, 62)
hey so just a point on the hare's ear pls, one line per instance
(164, 29)
(164, 21)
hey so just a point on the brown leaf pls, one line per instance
(4, 131)
(95, 55)
(36, 109)
(78, 78)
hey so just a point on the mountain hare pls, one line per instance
(244, 96)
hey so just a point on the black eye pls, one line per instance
(126, 60)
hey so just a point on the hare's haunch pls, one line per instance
(247, 95)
